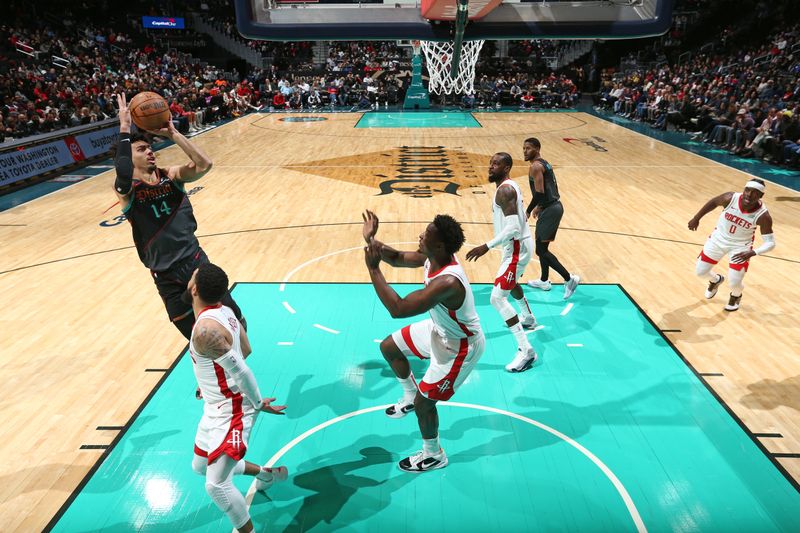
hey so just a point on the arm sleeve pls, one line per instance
(511, 230)
(124, 165)
(769, 244)
(234, 365)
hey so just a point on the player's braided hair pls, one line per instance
(450, 233)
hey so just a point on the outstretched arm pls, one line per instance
(443, 289)
(507, 200)
(718, 201)
(394, 257)
(123, 160)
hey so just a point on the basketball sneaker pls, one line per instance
(523, 361)
(539, 284)
(269, 476)
(419, 462)
(571, 285)
(733, 303)
(400, 409)
(529, 322)
(711, 291)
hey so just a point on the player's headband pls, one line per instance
(755, 185)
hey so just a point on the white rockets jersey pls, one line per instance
(464, 321)
(214, 383)
(736, 227)
(499, 216)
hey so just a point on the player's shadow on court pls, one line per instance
(681, 318)
(304, 400)
(771, 394)
(332, 486)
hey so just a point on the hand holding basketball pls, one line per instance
(124, 114)
(150, 111)
(167, 131)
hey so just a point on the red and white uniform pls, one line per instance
(452, 340)
(227, 415)
(516, 252)
(735, 232)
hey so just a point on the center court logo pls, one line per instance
(415, 171)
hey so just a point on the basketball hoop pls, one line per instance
(443, 78)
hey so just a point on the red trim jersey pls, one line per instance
(460, 323)
(736, 227)
(499, 218)
(214, 383)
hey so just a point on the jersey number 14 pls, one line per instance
(164, 209)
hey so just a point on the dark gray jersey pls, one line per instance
(163, 222)
(550, 186)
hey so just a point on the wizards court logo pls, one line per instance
(416, 171)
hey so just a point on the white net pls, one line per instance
(439, 60)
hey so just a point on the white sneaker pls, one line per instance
(539, 284)
(523, 361)
(269, 476)
(713, 286)
(419, 462)
(733, 303)
(571, 285)
(529, 322)
(400, 409)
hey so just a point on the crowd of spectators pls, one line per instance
(746, 100)
(53, 79)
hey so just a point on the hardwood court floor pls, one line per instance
(83, 322)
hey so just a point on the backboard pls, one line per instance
(308, 20)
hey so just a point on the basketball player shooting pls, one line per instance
(451, 339)
(155, 203)
(513, 236)
(219, 346)
(734, 236)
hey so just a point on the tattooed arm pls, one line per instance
(211, 339)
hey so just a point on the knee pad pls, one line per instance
(702, 268)
(199, 465)
(230, 501)
(499, 300)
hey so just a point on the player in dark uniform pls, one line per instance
(546, 207)
(155, 202)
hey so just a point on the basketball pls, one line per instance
(149, 111)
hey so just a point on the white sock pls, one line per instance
(409, 385)
(714, 277)
(519, 334)
(524, 308)
(431, 446)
